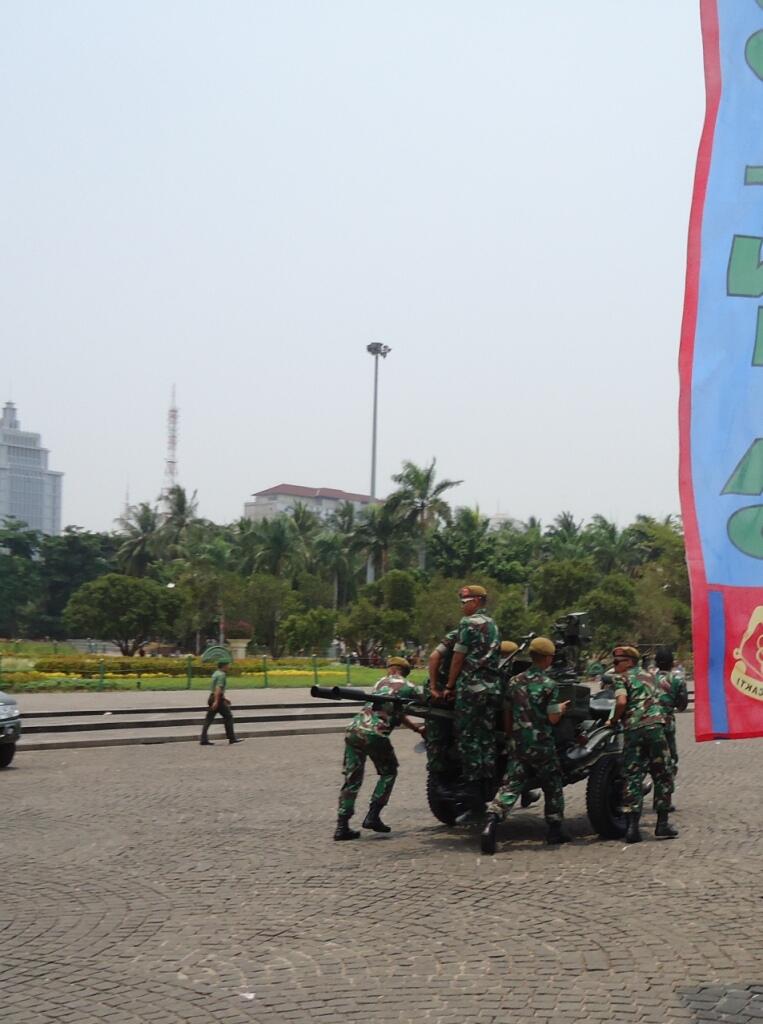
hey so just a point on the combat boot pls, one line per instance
(664, 830)
(343, 830)
(487, 840)
(556, 834)
(632, 833)
(532, 796)
(372, 819)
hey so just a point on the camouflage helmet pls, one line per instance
(472, 590)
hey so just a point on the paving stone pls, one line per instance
(134, 894)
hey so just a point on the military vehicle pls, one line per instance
(588, 750)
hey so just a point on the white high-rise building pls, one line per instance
(29, 491)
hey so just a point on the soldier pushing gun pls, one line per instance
(368, 736)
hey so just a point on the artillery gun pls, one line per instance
(588, 750)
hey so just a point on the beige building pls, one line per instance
(280, 500)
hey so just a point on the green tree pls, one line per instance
(311, 631)
(139, 531)
(20, 585)
(126, 610)
(419, 501)
(271, 601)
(379, 528)
(366, 628)
(398, 590)
(66, 562)
(463, 547)
(611, 606)
(557, 585)
(513, 618)
(180, 513)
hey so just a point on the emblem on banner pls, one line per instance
(747, 674)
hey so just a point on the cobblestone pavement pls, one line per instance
(174, 883)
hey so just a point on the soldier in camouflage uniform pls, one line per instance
(673, 697)
(368, 736)
(637, 703)
(438, 730)
(531, 709)
(473, 680)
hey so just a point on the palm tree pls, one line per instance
(379, 526)
(179, 515)
(464, 546)
(562, 538)
(276, 546)
(613, 549)
(140, 527)
(420, 501)
(306, 525)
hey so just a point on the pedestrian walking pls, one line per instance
(218, 703)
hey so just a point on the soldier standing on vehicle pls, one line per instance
(637, 703)
(473, 680)
(368, 736)
(218, 703)
(530, 711)
(673, 697)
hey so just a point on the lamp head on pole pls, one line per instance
(377, 349)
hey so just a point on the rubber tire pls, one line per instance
(603, 793)
(7, 750)
(443, 810)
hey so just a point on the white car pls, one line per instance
(10, 728)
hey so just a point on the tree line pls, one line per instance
(385, 576)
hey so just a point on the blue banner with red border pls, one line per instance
(721, 368)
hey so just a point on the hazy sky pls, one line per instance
(237, 196)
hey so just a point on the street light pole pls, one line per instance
(376, 349)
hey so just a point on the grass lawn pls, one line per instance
(331, 676)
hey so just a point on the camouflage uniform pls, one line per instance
(646, 748)
(478, 693)
(532, 695)
(673, 697)
(439, 730)
(368, 736)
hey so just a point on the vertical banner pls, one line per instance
(721, 368)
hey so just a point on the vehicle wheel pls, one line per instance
(604, 797)
(7, 750)
(443, 807)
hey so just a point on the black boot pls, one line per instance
(372, 819)
(527, 799)
(343, 830)
(556, 834)
(234, 740)
(664, 829)
(487, 841)
(205, 742)
(632, 833)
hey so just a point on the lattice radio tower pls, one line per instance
(171, 462)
